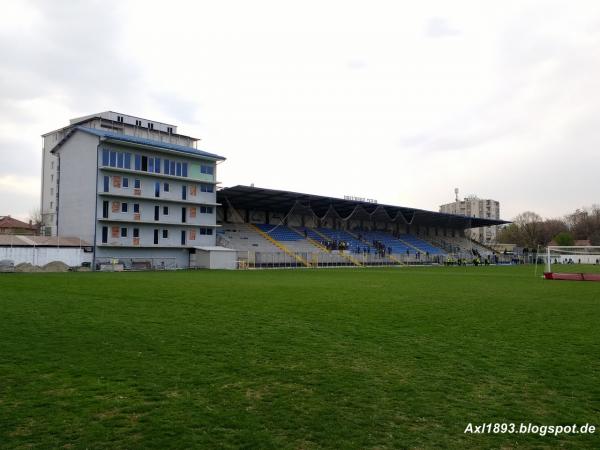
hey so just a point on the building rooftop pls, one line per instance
(41, 241)
(10, 222)
(139, 141)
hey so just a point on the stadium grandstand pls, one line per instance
(275, 228)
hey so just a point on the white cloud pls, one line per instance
(395, 101)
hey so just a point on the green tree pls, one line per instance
(564, 238)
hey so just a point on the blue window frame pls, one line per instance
(136, 232)
(157, 189)
(178, 170)
(166, 187)
(136, 207)
(128, 160)
(206, 187)
(123, 207)
(105, 157)
(150, 164)
(166, 171)
(156, 165)
(106, 183)
(123, 232)
(113, 159)
(206, 210)
(120, 160)
(137, 183)
(184, 192)
(138, 162)
(184, 171)
(172, 168)
(125, 182)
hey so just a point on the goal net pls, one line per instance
(572, 263)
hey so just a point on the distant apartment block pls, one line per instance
(476, 207)
(135, 188)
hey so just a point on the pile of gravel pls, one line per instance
(55, 266)
(26, 267)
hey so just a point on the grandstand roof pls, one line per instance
(254, 198)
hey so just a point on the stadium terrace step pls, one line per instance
(283, 234)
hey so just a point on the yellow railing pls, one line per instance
(282, 247)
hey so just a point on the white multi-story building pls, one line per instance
(134, 188)
(473, 206)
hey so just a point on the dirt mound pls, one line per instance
(26, 267)
(55, 266)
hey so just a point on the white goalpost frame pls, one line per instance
(590, 252)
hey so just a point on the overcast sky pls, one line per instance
(396, 101)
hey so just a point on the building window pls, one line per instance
(105, 157)
(120, 160)
(138, 162)
(104, 235)
(165, 234)
(170, 130)
(184, 170)
(105, 209)
(156, 212)
(157, 189)
(124, 207)
(145, 163)
(184, 192)
(51, 191)
(120, 119)
(155, 237)
(136, 183)
(127, 160)
(138, 123)
(206, 187)
(182, 237)
(165, 210)
(183, 215)
(206, 231)
(172, 168)
(136, 232)
(106, 183)
(52, 165)
(123, 232)
(125, 182)
(209, 170)
(113, 159)
(178, 169)
(136, 208)
(51, 205)
(150, 126)
(156, 165)
(166, 187)
(206, 210)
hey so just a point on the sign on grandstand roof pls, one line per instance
(359, 199)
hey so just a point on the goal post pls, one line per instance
(581, 263)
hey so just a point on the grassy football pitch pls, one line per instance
(344, 358)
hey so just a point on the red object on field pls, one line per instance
(572, 276)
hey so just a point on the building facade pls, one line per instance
(476, 207)
(134, 188)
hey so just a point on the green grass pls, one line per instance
(371, 358)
